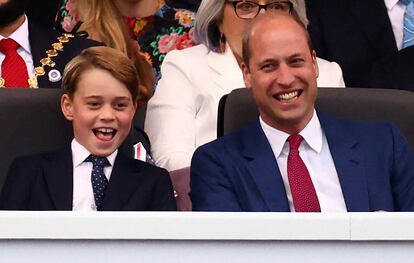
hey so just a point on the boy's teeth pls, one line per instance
(288, 96)
(105, 130)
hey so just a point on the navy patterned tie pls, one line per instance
(98, 178)
(408, 32)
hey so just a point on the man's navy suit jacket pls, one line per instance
(239, 172)
(355, 33)
(45, 182)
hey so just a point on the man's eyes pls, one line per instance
(297, 62)
(268, 67)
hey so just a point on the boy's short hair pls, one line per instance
(105, 58)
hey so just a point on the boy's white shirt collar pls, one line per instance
(80, 153)
(21, 36)
(312, 135)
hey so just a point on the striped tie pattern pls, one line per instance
(408, 32)
(13, 67)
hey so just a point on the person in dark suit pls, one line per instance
(295, 158)
(100, 98)
(356, 34)
(395, 71)
(44, 50)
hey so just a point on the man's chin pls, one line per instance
(11, 11)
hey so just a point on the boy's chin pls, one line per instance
(100, 150)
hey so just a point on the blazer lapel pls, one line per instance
(376, 27)
(348, 159)
(122, 184)
(228, 73)
(58, 174)
(263, 169)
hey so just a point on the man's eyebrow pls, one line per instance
(268, 60)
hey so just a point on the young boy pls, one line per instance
(100, 94)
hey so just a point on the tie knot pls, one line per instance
(294, 141)
(98, 161)
(406, 2)
(8, 44)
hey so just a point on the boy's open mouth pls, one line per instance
(104, 134)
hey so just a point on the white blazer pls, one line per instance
(182, 114)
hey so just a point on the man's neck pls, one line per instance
(7, 30)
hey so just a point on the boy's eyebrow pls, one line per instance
(98, 97)
(92, 97)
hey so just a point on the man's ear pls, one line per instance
(246, 75)
(66, 105)
(315, 63)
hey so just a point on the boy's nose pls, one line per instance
(107, 113)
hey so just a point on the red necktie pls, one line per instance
(13, 68)
(303, 193)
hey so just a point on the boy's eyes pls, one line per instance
(120, 106)
(117, 105)
(93, 104)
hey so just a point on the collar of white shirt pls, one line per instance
(390, 3)
(80, 153)
(21, 36)
(312, 135)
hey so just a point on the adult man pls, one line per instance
(356, 34)
(41, 53)
(342, 165)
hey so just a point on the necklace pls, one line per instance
(46, 61)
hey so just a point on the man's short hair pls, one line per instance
(111, 60)
(246, 52)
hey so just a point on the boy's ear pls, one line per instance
(66, 105)
(136, 104)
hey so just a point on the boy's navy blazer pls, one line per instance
(239, 172)
(41, 40)
(45, 182)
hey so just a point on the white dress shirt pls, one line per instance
(21, 36)
(315, 153)
(83, 199)
(396, 12)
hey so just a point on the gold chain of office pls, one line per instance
(46, 61)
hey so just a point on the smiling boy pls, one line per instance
(100, 98)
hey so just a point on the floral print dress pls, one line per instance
(156, 35)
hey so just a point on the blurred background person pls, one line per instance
(102, 20)
(182, 114)
(158, 26)
(33, 55)
(360, 35)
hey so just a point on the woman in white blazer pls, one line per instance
(182, 114)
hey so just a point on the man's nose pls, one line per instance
(285, 76)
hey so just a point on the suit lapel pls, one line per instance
(376, 27)
(348, 159)
(228, 75)
(263, 168)
(58, 173)
(122, 184)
